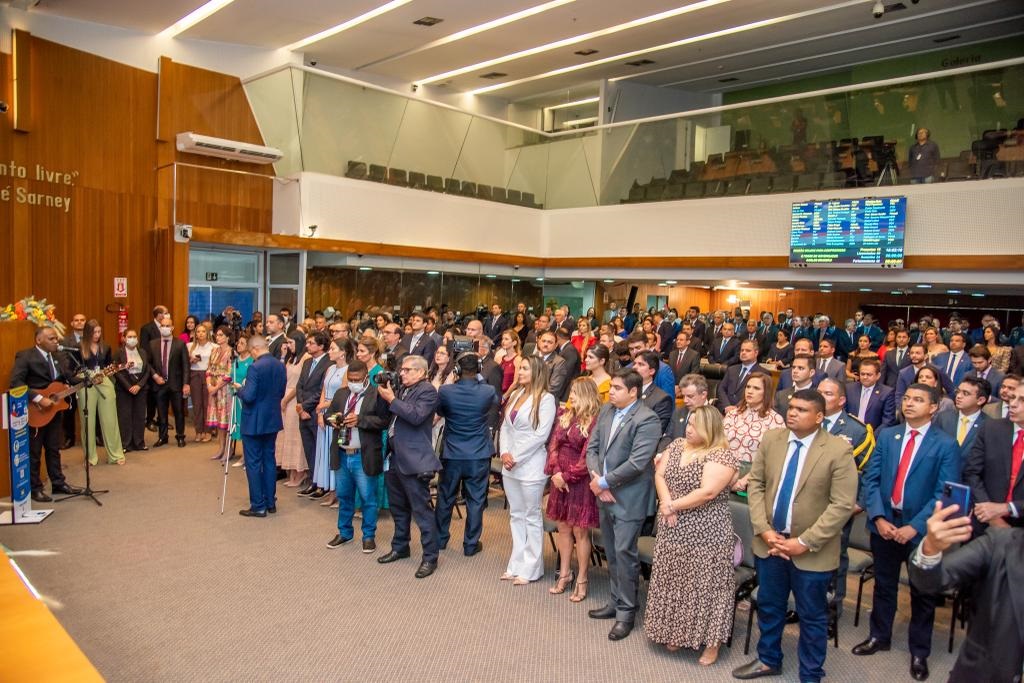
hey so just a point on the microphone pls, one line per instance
(69, 349)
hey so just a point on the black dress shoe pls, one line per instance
(41, 497)
(473, 551)
(66, 489)
(392, 556)
(319, 493)
(620, 630)
(606, 612)
(919, 668)
(755, 669)
(306, 491)
(272, 510)
(337, 541)
(249, 512)
(369, 545)
(181, 442)
(792, 617)
(160, 442)
(870, 647)
(143, 447)
(151, 427)
(425, 569)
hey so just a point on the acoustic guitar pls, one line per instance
(58, 393)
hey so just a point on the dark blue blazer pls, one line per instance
(786, 378)
(890, 369)
(949, 422)
(412, 445)
(952, 381)
(874, 333)
(881, 408)
(844, 345)
(937, 461)
(815, 334)
(261, 396)
(467, 406)
(729, 356)
(903, 380)
(995, 378)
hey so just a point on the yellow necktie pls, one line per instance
(961, 433)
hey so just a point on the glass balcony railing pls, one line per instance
(855, 137)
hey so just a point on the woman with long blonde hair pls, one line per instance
(571, 503)
(529, 414)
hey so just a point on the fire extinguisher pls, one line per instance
(122, 319)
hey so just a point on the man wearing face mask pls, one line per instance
(170, 370)
(132, 385)
(149, 332)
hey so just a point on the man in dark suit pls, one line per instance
(908, 375)
(540, 324)
(896, 359)
(261, 396)
(307, 395)
(802, 369)
(412, 462)
(170, 365)
(802, 347)
(868, 400)
(682, 360)
(954, 364)
(558, 368)
(904, 479)
(725, 348)
(993, 566)
(699, 330)
(495, 323)
(147, 334)
(620, 456)
(696, 340)
(393, 346)
(567, 351)
(287, 320)
(873, 331)
(964, 423)
(693, 389)
(361, 416)
(418, 341)
(736, 376)
(846, 340)
(466, 406)
(646, 365)
(666, 332)
(821, 331)
(490, 372)
(1000, 408)
(713, 331)
(995, 468)
(802, 489)
(827, 364)
(751, 331)
(981, 360)
(72, 340)
(37, 368)
(274, 328)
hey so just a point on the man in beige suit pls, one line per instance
(803, 486)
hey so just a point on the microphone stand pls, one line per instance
(88, 439)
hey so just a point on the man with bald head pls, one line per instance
(36, 368)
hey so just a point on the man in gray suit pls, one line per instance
(826, 362)
(620, 459)
(558, 369)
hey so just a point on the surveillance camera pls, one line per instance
(516, 268)
(3, 107)
(415, 87)
(182, 232)
(878, 10)
(312, 62)
(312, 230)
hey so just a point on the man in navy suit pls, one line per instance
(896, 359)
(868, 400)
(846, 340)
(981, 359)
(646, 364)
(495, 324)
(725, 348)
(736, 376)
(908, 375)
(419, 340)
(965, 422)
(995, 468)
(873, 331)
(904, 479)
(954, 364)
(261, 396)
(411, 462)
(802, 347)
(822, 330)
(307, 396)
(466, 406)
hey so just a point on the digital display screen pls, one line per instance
(865, 233)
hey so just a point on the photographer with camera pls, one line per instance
(467, 406)
(359, 416)
(411, 462)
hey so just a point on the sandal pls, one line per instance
(706, 658)
(562, 583)
(579, 594)
(507, 576)
(520, 581)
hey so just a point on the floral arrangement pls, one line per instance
(37, 312)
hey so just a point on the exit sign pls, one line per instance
(211, 277)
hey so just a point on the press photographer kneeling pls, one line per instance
(410, 462)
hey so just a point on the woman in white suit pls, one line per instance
(529, 415)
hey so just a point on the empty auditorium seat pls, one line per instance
(715, 188)
(783, 183)
(483, 191)
(760, 185)
(736, 187)
(806, 181)
(833, 180)
(673, 191)
(356, 169)
(653, 193)
(960, 170)
(468, 189)
(636, 193)
(514, 196)
(498, 194)
(435, 183)
(452, 186)
(377, 173)
(530, 200)
(693, 190)
(678, 176)
(397, 176)
(417, 181)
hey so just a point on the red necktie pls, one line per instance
(1018, 456)
(901, 473)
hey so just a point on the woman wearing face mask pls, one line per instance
(132, 386)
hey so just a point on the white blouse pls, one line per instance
(203, 351)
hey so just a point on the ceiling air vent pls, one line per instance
(946, 39)
(493, 74)
(585, 53)
(428, 21)
(640, 62)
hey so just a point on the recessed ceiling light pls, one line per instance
(789, 289)
(978, 294)
(825, 284)
(490, 276)
(663, 284)
(609, 281)
(346, 25)
(896, 291)
(865, 289)
(365, 268)
(585, 53)
(574, 40)
(953, 291)
(539, 279)
(670, 282)
(515, 279)
(826, 291)
(587, 100)
(433, 272)
(924, 286)
(428, 21)
(742, 283)
(194, 17)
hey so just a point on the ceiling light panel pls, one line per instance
(357, 20)
(199, 14)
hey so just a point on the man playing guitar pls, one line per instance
(37, 368)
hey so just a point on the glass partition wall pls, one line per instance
(857, 137)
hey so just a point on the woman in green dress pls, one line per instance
(239, 369)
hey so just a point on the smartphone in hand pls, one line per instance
(956, 494)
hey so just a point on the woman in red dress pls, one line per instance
(509, 358)
(571, 504)
(583, 338)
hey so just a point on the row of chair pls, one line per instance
(661, 189)
(360, 170)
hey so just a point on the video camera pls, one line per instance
(388, 376)
(461, 344)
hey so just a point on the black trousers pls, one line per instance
(307, 431)
(409, 499)
(889, 557)
(47, 438)
(168, 398)
(68, 418)
(473, 475)
(131, 416)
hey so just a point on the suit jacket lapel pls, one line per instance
(814, 454)
(927, 446)
(622, 424)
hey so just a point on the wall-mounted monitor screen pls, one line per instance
(858, 233)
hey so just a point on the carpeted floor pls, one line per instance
(156, 585)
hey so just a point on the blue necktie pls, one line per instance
(722, 350)
(786, 490)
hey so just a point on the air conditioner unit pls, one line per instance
(193, 143)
